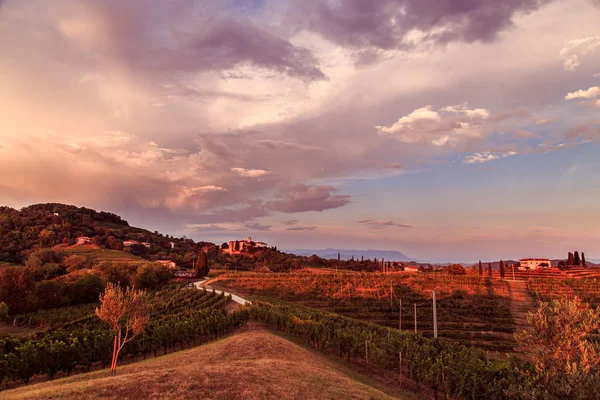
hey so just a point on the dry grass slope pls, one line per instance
(253, 364)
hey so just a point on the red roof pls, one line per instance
(534, 259)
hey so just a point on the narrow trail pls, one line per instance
(521, 303)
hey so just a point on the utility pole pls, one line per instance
(435, 333)
(415, 317)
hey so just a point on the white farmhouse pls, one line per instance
(534, 263)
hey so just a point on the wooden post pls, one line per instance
(444, 381)
(435, 332)
(389, 331)
(391, 296)
(415, 317)
(367, 351)
(400, 367)
(400, 316)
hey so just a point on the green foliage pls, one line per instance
(469, 374)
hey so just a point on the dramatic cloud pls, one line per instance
(381, 224)
(445, 126)
(577, 48)
(450, 125)
(479, 158)
(301, 198)
(211, 117)
(183, 36)
(590, 93)
(370, 26)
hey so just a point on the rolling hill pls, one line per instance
(252, 364)
(390, 255)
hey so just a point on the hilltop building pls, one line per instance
(129, 243)
(167, 263)
(242, 246)
(534, 263)
(84, 240)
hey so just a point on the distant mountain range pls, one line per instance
(390, 255)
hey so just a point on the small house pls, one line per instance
(167, 263)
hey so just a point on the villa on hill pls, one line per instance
(534, 263)
(242, 246)
(167, 263)
(84, 240)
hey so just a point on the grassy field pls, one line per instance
(99, 255)
(252, 364)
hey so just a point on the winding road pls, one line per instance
(234, 297)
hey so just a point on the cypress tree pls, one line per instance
(339, 257)
(576, 260)
(583, 259)
(201, 265)
(501, 269)
(490, 269)
(480, 269)
(570, 259)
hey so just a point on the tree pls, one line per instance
(502, 271)
(576, 259)
(127, 312)
(3, 311)
(566, 362)
(202, 265)
(339, 256)
(455, 269)
(489, 269)
(583, 263)
(480, 269)
(570, 259)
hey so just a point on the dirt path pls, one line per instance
(235, 298)
(521, 303)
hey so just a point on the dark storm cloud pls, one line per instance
(183, 37)
(388, 24)
(302, 197)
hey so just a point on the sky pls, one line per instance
(444, 129)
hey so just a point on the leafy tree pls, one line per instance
(50, 294)
(85, 289)
(566, 362)
(455, 269)
(75, 262)
(3, 311)
(127, 312)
